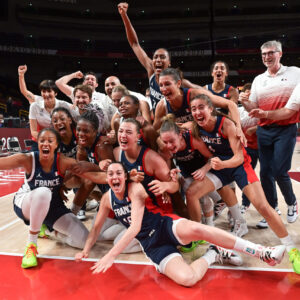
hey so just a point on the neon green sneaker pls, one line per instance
(43, 233)
(190, 247)
(29, 259)
(294, 256)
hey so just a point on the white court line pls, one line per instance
(151, 264)
(9, 224)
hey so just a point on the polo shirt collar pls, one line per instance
(281, 70)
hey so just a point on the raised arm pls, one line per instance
(62, 83)
(22, 84)
(133, 39)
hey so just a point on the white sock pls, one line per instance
(236, 212)
(247, 247)
(32, 238)
(210, 257)
(288, 242)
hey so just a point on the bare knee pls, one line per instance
(186, 278)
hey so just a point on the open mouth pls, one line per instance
(116, 184)
(45, 151)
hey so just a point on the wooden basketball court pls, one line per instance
(59, 276)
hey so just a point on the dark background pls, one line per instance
(57, 37)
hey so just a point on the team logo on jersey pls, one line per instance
(56, 173)
(283, 79)
(140, 168)
(39, 175)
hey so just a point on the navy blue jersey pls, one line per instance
(122, 210)
(52, 180)
(92, 153)
(93, 158)
(223, 94)
(155, 94)
(71, 149)
(189, 159)
(139, 165)
(156, 235)
(39, 178)
(215, 140)
(183, 114)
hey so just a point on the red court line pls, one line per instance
(295, 176)
(65, 279)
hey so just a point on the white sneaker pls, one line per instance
(218, 208)
(243, 209)
(92, 204)
(272, 255)
(240, 228)
(81, 215)
(278, 210)
(262, 224)
(292, 213)
(226, 256)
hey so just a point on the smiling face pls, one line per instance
(160, 61)
(271, 57)
(201, 112)
(219, 72)
(81, 99)
(86, 133)
(49, 97)
(172, 140)
(128, 136)
(61, 123)
(116, 178)
(91, 81)
(47, 144)
(110, 83)
(127, 108)
(169, 87)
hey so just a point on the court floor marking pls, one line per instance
(9, 224)
(151, 264)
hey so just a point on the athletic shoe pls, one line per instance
(218, 208)
(29, 259)
(240, 228)
(272, 255)
(292, 213)
(90, 205)
(226, 256)
(81, 215)
(262, 224)
(191, 246)
(278, 210)
(243, 209)
(294, 257)
(43, 234)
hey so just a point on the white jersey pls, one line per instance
(294, 101)
(105, 103)
(273, 92)
(38, 112)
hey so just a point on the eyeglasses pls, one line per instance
(270, 53)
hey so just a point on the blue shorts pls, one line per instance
(56, 210)
(242, 175)
(162, 243)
